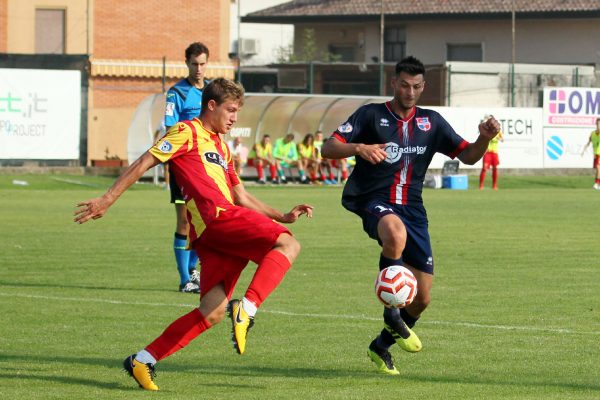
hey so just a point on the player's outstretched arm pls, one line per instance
(334, 149)
(245, 199)
(474, 151)
(97, 207)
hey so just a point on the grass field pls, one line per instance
(515, 311)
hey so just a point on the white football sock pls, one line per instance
(249, 307)
(145, 358)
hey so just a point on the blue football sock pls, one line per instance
(193, 261)
(182, 257)
(385, 340)
(409, 320)
(385, 262)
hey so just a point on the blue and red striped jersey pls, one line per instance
(410, 145)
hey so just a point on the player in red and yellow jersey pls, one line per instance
(491, 159)
(228, 227)
(260, 156)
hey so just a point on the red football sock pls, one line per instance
(344, 174)
(259, 171)
(481, 178)
(177, 335)
(273, 170)
(267, 277)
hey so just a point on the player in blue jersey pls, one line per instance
(394, 143)
(184, 102)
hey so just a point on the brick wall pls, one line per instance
(142, 30)
(151, 29)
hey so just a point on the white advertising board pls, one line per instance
(571, 106)
(40, 113)
(522, 129)
(563, 146)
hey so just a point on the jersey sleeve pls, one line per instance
(177, 140)
(350, 130)
(172, 108)
(451, 143)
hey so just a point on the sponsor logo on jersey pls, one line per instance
(215, 158)
(394, 151)
(166, 147)
(384, 122)
(345, 128)
(169, 109)
(423, 123)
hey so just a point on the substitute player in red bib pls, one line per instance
(394, 143)
(491, 159)
(228, 227)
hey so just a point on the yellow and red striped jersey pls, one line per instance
(203, 168)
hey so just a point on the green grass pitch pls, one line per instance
(514, 315)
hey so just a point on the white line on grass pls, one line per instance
(307, 315)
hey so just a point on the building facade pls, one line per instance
(135, 49)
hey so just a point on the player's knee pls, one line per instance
(421, 301)
(289, 246)
(294, 248)
(215, 316)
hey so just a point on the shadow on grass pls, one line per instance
(46, 285)
(260, 371)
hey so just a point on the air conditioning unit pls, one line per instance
(249, 46)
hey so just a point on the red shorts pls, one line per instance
(596, 161)
(490, 160)
(235, 237)
(250, 162)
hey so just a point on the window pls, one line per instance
(345, 52)
(49, 31)
(394, 44)
(464, 52)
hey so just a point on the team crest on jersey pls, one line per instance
(423, 123)
(345, 128)
(384, 122)
(215, 158)
(166, 147)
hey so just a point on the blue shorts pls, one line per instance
(417, 252)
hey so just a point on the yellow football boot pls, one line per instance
(142, 373)
(241, 323)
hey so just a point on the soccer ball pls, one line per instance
(396, 286)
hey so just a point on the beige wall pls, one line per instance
(108, 128)
(21, 24)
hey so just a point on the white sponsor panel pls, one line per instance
(40, 114)
(571, 106)
(563, 147)
(522, 129)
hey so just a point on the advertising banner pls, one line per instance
(563, 147)
(40, 113)
(521, 127)
(571, 106)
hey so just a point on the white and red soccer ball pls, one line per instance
(396, 286)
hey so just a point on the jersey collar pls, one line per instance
(388, 105)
